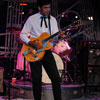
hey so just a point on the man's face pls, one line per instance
(45, 10)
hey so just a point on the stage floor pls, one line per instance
(68, 90)
(23, 89)
(88, 97)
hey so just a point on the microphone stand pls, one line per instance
(10, 55)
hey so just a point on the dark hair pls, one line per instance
(41, 3)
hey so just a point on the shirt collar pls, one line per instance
(40, 15)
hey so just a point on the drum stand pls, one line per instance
(66, 77)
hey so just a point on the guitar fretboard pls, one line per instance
(52, 36)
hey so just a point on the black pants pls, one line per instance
(50, 66)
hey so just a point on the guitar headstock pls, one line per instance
(76, 24)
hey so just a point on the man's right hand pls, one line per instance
(35, 44)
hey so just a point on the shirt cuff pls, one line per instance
(27, 41)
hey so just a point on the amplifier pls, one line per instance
(94, 53)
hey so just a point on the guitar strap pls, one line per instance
(49, 24)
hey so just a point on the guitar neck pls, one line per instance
(49, 38)
(52, 36)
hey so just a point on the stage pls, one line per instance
(24, 90)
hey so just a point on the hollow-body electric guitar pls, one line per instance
(32, 54)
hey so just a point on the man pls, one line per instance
(36, 25)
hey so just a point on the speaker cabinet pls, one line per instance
(94, 63)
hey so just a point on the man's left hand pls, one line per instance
(62, 34)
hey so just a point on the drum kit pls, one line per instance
(60, 51)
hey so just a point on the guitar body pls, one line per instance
(33, 55)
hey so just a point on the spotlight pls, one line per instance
(76, 17)
(90, 18)
(22, 13)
